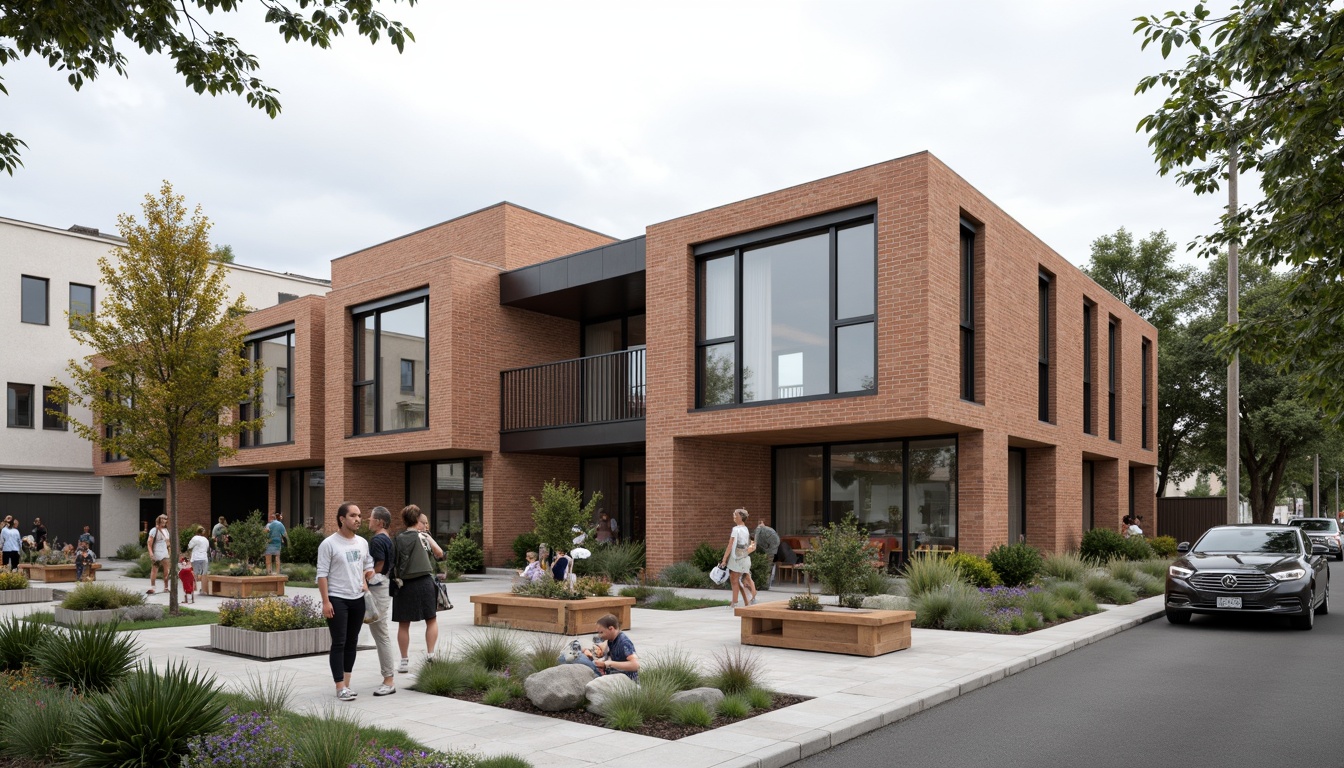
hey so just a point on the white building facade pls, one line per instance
(46, 470)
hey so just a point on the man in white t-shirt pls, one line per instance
(343, 572)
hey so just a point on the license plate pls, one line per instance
(1229, 602)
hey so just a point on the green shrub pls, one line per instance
(522, 544)
(1077, 596)
(706, 556)
(463, 554)
(1156, 568)
(18, 642)
(1016, 564)
(933, 607)
(623, 715)
(735, 670)
(1148, 586)
(331, 740)
(494, 761)
(1109, 590)
(546, 587)
(838, 557)
(87, 658)
(631, 707)
(685, 575)
(1047, 605)
(672, 667)
(146, 719)
(302, 546)
(805, 603)
(443, 677)
(1101, 545)
(967, 616)
(852, 601)
(13, 580)
(248, 538)
(620, 562)
(760, 570)
(299, 571)
(129, 552)
(494, 649)
(1067, 566)
(974, 570)
(873, 582)
(596, 586)
(691, 713)
(759, 698)
(37, 726)
(639, 593)
(483, 679)
(1163, 546)
(559, 510)
(139, 569)
(1136, 548)
(925, 572)
(496, 696)
(734, 707)
(271, 614)
(92, 596)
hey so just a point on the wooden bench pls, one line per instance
(243, 586)
(859, 632)
(541, 614)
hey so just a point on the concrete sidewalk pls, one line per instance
(853, 695)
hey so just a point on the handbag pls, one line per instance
(441, 596)
(718, 575)
(371, 614)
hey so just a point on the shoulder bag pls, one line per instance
(441, 596)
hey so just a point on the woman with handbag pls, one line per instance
(416, 597)
(737, 559)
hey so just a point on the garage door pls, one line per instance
(64, 515)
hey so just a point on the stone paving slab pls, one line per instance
(853, 695)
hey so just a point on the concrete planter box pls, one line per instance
(27, 595)
(270, 645)
(55, 574)
(541, 614)
(73, 618)
(832, 630)
(244, 586)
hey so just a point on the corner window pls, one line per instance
(19, 406)
(391, 384)
(49, 421)
(767, 331)
(81, 305)
(33, 300)
(272, 350)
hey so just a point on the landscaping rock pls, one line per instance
(557, 688)
(710, 697)
(887, 602)
(600, 690)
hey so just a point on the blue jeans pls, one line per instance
(582, 659)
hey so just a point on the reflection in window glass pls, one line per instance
(391, 372)
(718, 290)
(867, 484)
(450, 500)
(81, 304)
(854, 347)
(798, 491)
(19, 412)
(274, 397)
(718, 375)
(856, 272)
(933, 492)
(33, 300)
(785, 317)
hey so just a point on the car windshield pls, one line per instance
(1317, 525)
(1249, 540)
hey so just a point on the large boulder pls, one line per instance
(560, 687)
(709, 697)
(600, 691)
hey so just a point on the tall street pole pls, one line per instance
(1234, 368)
(1316, 486)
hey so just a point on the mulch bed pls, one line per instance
(659, 730)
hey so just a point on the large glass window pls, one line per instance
(275, 399)
(81, 305)
(33, 300)
(451, 494)
(302, 497)
(765, 330)
(798, 492)
(933, 491)
(867, 483)
(19, 406)
(391, 386)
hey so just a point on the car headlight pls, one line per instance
(1179, 572)
(1292, 575)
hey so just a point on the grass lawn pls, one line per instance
(190, 617)
(679, 603)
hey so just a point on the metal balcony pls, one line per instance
(588, 402)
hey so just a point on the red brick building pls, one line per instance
(885, 344)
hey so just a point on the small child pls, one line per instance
(84, 558)
(533, 570)
(188, 579)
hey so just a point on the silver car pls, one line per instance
(1324, 530)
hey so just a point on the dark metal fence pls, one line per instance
(1187, 518)
(587, 390)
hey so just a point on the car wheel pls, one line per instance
(1324, 607)
(1178, 617)
(1308, 619)
(1341, 556)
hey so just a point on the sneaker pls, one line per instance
(345, 694)
(404, 666)
(384, 690)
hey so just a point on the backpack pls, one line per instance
(410, 560)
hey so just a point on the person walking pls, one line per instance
(417, 597)
(39, 534)
(344, 568)
(220, 535)
(279, 539)
(11, 543)
(737, 559)
(157, 543)
(767, 541)
(382, 550)
(198, 551)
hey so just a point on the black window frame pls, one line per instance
(252, 353)
(1112, 418)
(733, 247)
(46, 300)
(74, 316)
(967, 302)
(49, 422)
(11, 389)
(1043, 298)
(376, 309)
(1089, 320)
(1146, 353)
(407, 389)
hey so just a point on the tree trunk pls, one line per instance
(174, 544)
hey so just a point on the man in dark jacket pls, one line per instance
(767, 541)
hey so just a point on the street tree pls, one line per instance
(85, 39)
(167, 371)
(1266, 79)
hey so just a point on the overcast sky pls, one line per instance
(612, 116)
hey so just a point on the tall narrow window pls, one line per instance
(1111, 333)
(967, 313)
(272, 349)
(1043, 348)
(33, 300)
(19, 410)
(1088, 311)
(391, 384)
(1147, 391)
(81, 305)
(49, 421)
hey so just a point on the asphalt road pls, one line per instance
(1220, 691)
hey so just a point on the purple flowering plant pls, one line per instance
(248, 740)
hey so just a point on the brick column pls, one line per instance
(1110, 493)
(1145, 498)
(1054, 499)
(982, 491)
(512, 480)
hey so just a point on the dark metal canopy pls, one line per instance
(598, 283)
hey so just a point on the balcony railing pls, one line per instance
(588, 390)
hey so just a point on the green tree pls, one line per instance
(223, 253)
(83, 39)
(168, 365)
(1201, 489)
(1142, 275)
(1266, 79)
(558, 511)
(839, 558)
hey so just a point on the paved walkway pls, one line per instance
(853, 695)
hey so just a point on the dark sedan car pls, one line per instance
(1322, 529)
(1267, 569)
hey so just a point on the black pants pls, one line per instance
(344, 626)
(11, 560)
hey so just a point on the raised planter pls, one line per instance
(270, 645)
(55, 574)
(541, 614)
(72, 618)
(859, 632)
(26, 595)
(244, 586)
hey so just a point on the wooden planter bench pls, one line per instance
(540, 614)
(244, 586)
(859, 632)
(270, 645)
(55, 574)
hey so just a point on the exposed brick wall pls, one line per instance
(512, 481)
(193, 503)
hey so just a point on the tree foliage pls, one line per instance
(168, 367)
(558, 511)
(1266, 79)
(85, 39)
